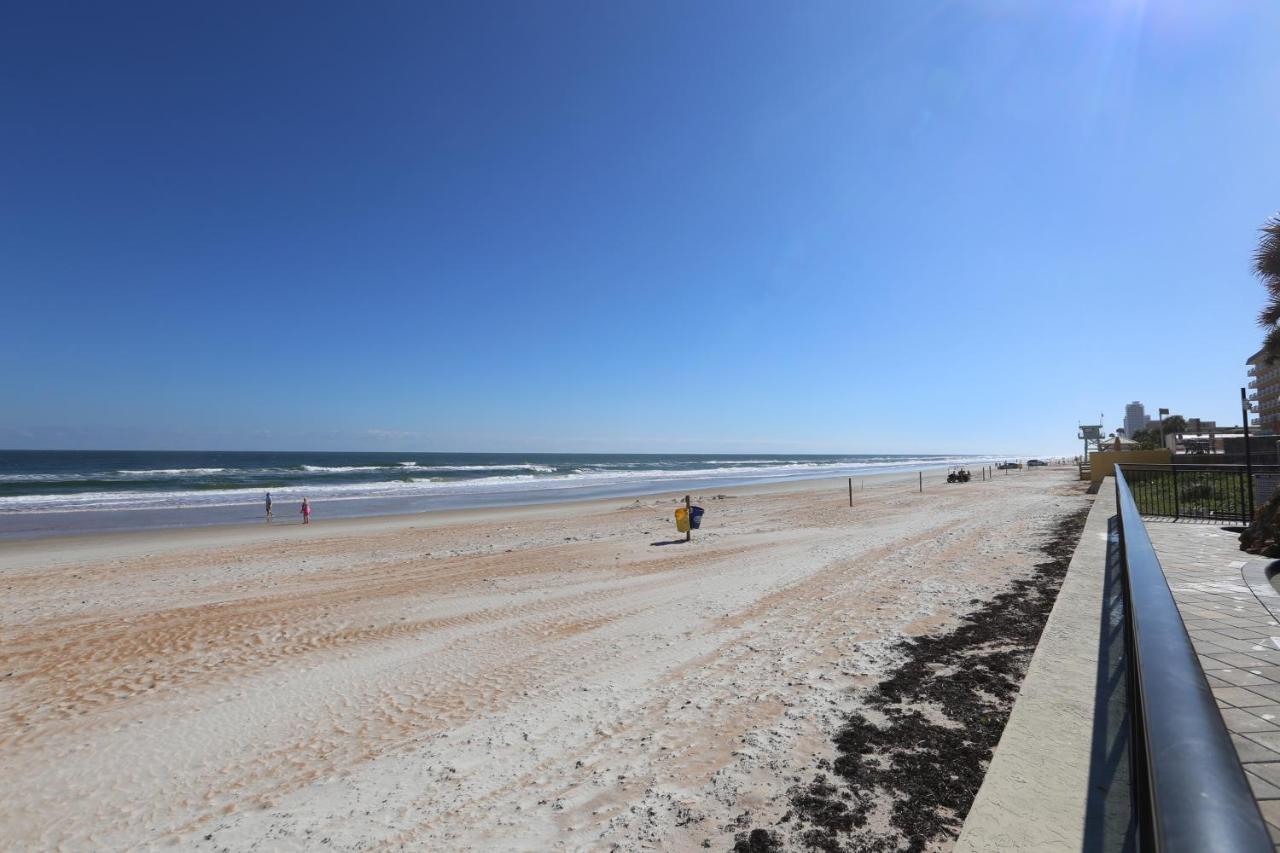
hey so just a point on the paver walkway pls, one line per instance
(1230, 609)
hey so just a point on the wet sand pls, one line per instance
(533, 678)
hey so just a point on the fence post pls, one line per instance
(1177, 511)
(1242, 484)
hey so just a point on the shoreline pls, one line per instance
(285, 518)
(73, 489)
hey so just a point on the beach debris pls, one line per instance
(907, 769)
(755, 841)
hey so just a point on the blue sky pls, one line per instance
(586, 226)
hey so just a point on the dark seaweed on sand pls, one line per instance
(928, 767)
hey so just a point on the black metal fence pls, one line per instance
(1211, 492)
(1190, 792)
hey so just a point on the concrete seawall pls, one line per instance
(1064, 749)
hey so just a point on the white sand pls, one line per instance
(517, 679)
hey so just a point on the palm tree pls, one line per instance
(1266, 263)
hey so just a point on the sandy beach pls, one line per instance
(551, 677)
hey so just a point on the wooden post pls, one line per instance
(688, 534)
(921, 482)
(850, 491)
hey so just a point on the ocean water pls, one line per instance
(67, 491)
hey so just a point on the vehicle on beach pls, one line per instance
(958, 475)
(1008, 466)
(1036, 463)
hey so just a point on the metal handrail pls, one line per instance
(1190, 792)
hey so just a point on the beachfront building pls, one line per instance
(1135, 418)
(1264, 392)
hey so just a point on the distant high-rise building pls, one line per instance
(1264, 396)
(1135, 418)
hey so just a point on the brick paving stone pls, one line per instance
(1209, 635)
(1262, 789)
(1268, 771)
(1204, 624)
(1242, 722)
(1271, 813)
(1240, 677)
(1241, 697)
(1244, 634)
(1271, 691)
(1250, 751)
(1231, 631)
(1246, 646)
(1268, 656)
(1271, 740)
(1231, 660)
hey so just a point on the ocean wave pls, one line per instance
(95, 476)
(172, 472)
(347, 469)
(744, 461)
(47, 478)
(91, 501)
(515, 466)
(537, 478)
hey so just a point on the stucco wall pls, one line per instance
(1103, 463)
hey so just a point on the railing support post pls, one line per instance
(1177, 509)
(1242, 478)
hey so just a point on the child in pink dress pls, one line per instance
(306, 512)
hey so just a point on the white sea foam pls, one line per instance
(515, 466)
(344, 469)
(172, 472)
(47, 478)
(144, 474)
(745, 461)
